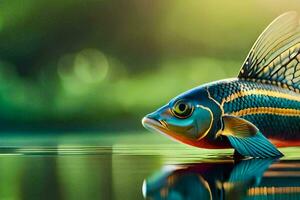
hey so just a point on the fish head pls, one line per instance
(184, 118)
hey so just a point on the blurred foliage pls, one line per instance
(83, 63)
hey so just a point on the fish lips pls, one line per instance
(153, 124)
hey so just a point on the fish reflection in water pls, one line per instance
(247, 179)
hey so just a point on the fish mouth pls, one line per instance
(153, 124)
(159, 126)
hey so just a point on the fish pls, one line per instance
(254, 113)
(245, 179)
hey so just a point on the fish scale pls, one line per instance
(272, 125)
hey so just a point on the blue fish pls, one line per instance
(254, 113)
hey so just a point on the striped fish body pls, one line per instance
(274, 110)
(253, 113)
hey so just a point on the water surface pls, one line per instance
(136, 166)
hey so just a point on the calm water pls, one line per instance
(137, 166)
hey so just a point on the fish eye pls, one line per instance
(182, 109)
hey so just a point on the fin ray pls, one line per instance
(274, 57)
(246, 139)
(253, 149)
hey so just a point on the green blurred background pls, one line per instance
(103, 64)
(98, 66)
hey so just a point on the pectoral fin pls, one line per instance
(247, 139)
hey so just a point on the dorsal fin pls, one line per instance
(275, 56)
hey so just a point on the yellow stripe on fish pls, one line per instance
(267, 110)
(260, 92)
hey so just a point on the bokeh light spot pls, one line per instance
(91, 66)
